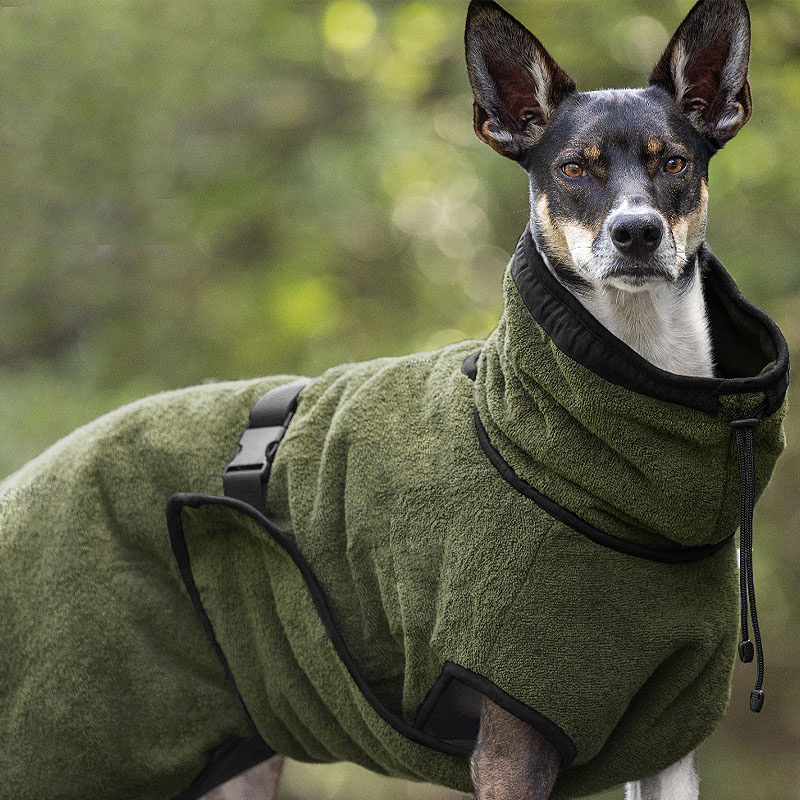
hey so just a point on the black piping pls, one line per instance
(178, 544)
(234, 757)
(681, 555)
(176, 504)
(581, 337)
(276, 404)
(452, 671)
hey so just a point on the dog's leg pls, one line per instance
(258, 783)
(511, 760)
(677, 782)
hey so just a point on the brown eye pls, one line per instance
(573, 170)
(675, 165)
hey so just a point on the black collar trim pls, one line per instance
(581, 337)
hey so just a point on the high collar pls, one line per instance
(638, 452)
(750, 352)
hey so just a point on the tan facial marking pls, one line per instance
(592, 153)
(553, 236)
(570, 243)
(697, 220)
(690, 231)
(654, 146)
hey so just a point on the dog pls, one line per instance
(619, 199)
(494, 569)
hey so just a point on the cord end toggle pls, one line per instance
(746, 651)
(756, 700)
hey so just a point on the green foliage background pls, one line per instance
(199, 189)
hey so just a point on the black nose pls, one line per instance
(637, 235)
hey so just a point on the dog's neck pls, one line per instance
(667, 325)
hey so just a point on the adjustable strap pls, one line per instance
(246, 476)
(744, 443)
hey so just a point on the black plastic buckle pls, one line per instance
(244, 477)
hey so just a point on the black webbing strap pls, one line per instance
(246, 476)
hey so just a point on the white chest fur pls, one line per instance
(667, 327)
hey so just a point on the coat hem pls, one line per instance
(440, 709)
(175, 506)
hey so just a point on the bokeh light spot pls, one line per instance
(305, 307)
(349, 25)
(638, 42)
(419, 30)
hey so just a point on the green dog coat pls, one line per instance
(548, 524)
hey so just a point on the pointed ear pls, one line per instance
(516, 84)
(705, 68)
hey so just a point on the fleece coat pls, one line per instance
(549, 524)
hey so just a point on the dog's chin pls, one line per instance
(635, 283)
(637, 278)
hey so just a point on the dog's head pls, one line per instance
(618, 178)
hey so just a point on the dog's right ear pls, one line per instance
(516, 84)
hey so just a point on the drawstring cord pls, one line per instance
(747, 474)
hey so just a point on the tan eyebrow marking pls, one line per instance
(655, 146)
(592, 152)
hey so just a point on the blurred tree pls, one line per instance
(198, 190)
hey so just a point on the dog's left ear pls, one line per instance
(704, 68)
(515, 82)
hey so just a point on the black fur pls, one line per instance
(621, 132)
(698, 99)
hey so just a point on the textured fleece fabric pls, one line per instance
(412, 574)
